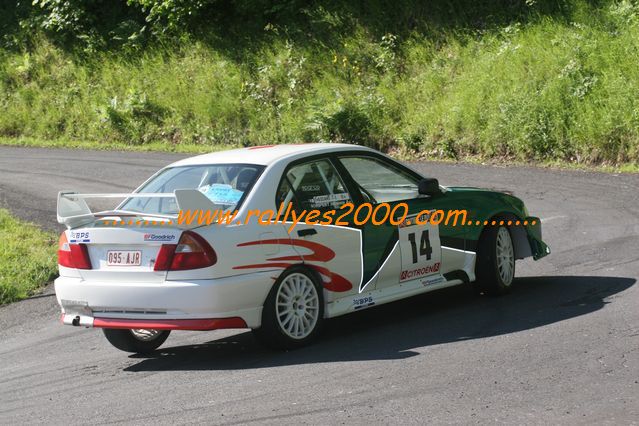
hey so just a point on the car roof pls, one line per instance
(268, 154)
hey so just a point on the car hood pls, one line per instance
(476, 189)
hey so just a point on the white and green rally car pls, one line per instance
(150, 274)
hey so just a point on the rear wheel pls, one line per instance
(136, 341)
(293, 312)
(495, 261)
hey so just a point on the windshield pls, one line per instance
(223, 184)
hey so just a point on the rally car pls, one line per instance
(138, 272)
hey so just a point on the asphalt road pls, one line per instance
(562, 348)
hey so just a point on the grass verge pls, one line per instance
(27, 258)
(185, 148)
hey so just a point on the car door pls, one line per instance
(408, 248)
(334, 251)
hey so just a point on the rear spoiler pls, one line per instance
(74, 212)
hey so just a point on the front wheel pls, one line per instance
(495, 261)
(136, 341)
(294, 310)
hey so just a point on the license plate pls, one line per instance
(124, 258)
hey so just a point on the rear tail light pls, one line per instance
(72, 255)
(191, 252)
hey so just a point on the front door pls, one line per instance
(406, 248)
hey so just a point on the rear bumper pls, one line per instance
(160, 324)
(233, 302)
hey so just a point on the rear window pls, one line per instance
(224, 184)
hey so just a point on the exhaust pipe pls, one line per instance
(77, 320)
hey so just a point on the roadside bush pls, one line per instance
(136, 119)
(527, 80)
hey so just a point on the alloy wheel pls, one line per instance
(505, 256)
(297, 306)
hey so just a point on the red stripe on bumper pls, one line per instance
(168, 324)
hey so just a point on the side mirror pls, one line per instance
(429, 186)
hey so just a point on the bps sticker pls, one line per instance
(363, 302)
(80, 237)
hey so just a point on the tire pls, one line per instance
(136, 341)
(495, 261)
(286, 323)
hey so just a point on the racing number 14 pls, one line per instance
(425, 248)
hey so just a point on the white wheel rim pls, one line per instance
(297, 306)
(505, 256)
(145, 335)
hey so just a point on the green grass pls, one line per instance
(156, 146)
(557, 88)
(27, 258)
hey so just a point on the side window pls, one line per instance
(313, 185)
(379, 181)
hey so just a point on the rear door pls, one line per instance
(334, 251)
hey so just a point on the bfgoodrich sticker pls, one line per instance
(159, 237)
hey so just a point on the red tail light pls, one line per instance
(73, 255)
(191, 252)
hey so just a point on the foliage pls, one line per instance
(526, 80)
(170, 15)
(88, 24)
(27, 258)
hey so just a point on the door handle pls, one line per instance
(306, 232)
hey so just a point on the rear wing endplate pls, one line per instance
(74, 212)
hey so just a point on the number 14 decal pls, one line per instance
(425, 248)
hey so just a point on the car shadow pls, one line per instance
(396, 330)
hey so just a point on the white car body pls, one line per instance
(250, 258)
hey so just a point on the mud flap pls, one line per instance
(538, 247)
